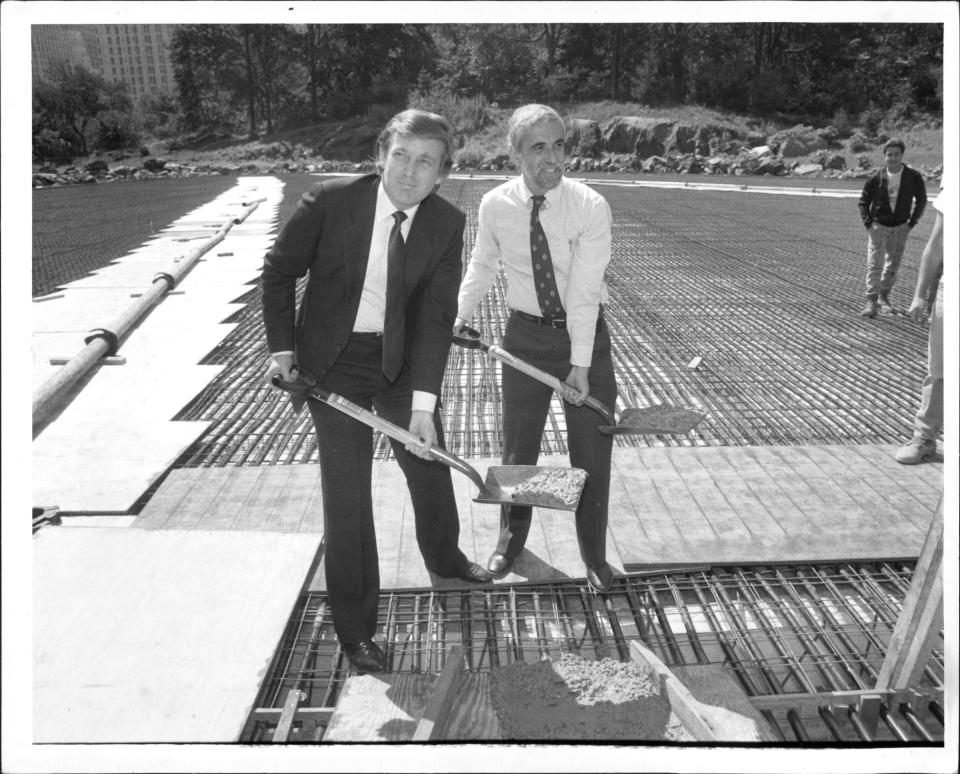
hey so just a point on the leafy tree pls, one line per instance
(83, 109)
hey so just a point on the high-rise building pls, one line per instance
(53, 44)
(137, 55)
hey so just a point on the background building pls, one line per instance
(55, 43)
(138, 55)
(134, 54)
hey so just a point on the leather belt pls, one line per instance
(367, 335)
(553, 322)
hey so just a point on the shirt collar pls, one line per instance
(385, 207)
(551, 196)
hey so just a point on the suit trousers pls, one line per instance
(346, 456)
(526, 403)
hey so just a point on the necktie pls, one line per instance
(394, 315)
(543, 275)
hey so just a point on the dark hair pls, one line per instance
(894, 143)
(418, 123)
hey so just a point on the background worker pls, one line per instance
(892, 202)
(552, 237)
(383, 253)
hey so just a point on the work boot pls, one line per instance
(870, 310)
(916, 450)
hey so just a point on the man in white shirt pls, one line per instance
(384, 258)
(928, 422)
(552, 237)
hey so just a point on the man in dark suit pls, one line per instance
(383, 253)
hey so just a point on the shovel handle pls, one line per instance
(370, 419)
(548, 379)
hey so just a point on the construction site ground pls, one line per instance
(176, 601)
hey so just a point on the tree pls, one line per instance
(80, 106)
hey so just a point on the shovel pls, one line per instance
(543, 487)
(654, 420)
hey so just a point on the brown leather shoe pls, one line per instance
(601, 578)
(365, 656)
(499, 564)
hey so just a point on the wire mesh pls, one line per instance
(780, 630)
(767, 302)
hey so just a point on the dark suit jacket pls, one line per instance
(328, 236)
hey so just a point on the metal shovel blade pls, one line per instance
(542, 487)
(655, 420)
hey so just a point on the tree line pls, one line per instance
(258, 78)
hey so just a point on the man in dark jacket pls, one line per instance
(383, 254)
(892, 202)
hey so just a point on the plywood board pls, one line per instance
(380, 708)
(145, 636)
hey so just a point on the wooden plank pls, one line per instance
(472, 716)
(682, 702)
(714, 686)
(433, 722)
(921, 616)
(809, 703)
(380, 708)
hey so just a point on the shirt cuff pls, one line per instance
(285, 352)
(423, 401)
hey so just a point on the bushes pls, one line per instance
(467, 115)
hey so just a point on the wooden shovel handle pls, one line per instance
(370, 419)
(548, 379)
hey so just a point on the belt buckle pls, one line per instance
(558, 322)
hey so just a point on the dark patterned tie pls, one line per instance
(543, 275)
(393, 318)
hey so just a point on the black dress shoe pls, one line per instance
(499, 564)
(601, 578)
(365, 656)
(474, 573)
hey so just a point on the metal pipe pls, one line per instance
(936, 710)
(831, 723)
(688, 624)
(915, 723)
(799, 731)
(890, 723)
(466, 626)
(858, 724)
(590, 618)
(56, 392)
(541, 632)
(772, 721)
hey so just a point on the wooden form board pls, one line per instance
(157, 636)
(714, 711)
(115, 438)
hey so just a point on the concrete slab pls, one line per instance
(144, 636)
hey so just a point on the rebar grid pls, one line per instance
(780, 630)
(767, 301)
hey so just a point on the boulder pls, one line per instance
(807, 169)
(44, 179)
(633, 134)
(122, 171)
(97, 167)
(655, 164)
(836, 161)
(583, 137)
(154, 164)
(771, 166)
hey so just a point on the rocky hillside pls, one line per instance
(639, 144)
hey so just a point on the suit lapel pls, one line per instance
(356, 240)
(421, 243)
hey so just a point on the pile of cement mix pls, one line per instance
(577, 699)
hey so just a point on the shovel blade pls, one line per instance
(542, 487)
(655, 420)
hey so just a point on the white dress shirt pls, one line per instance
(576, 220)
(373, 297)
